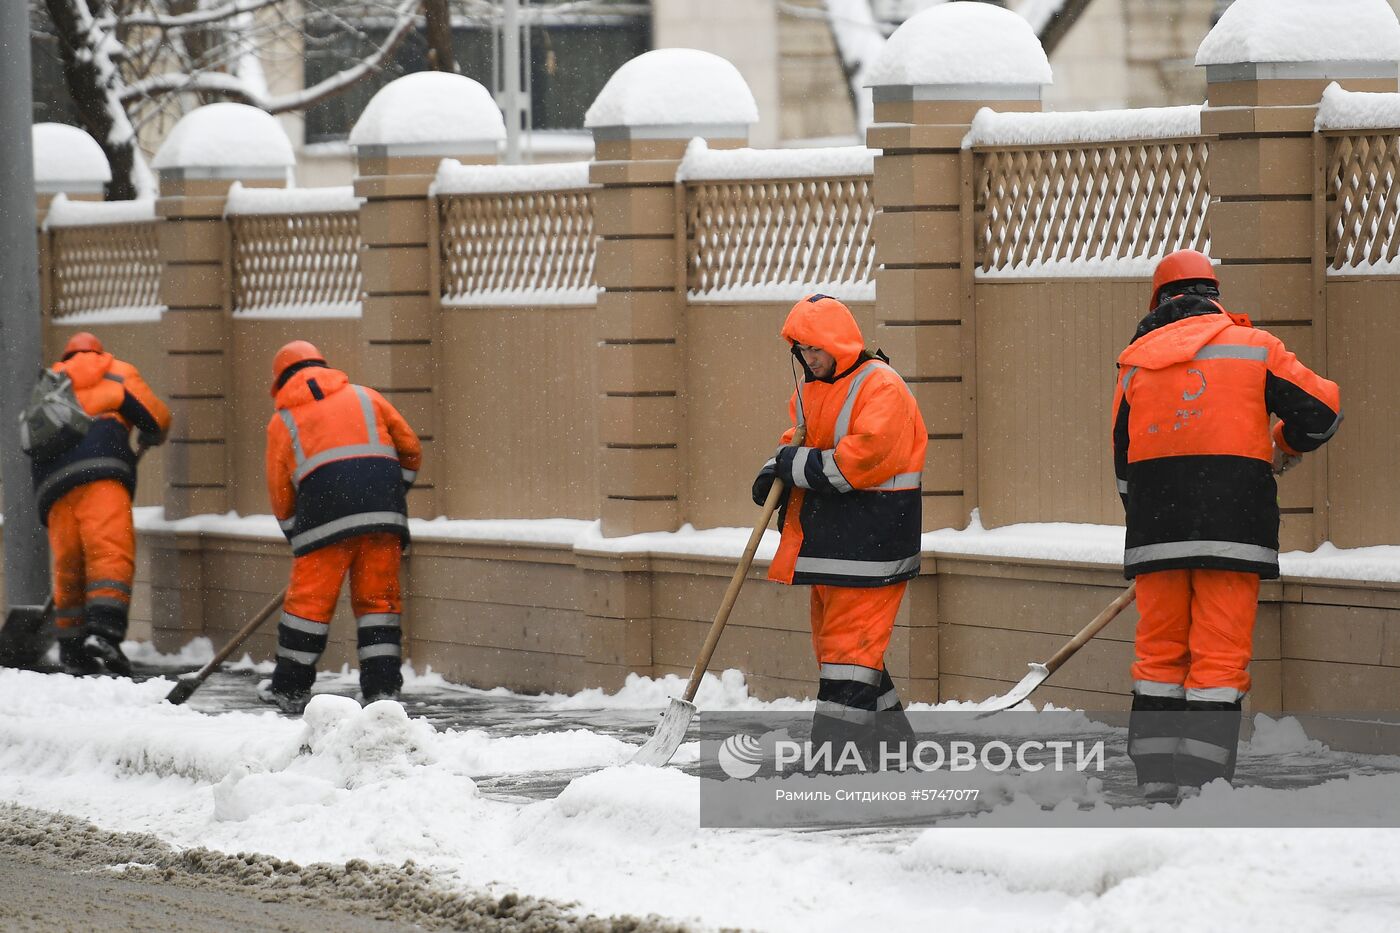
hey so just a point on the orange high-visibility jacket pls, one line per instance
(339, 461)
(114, 393)
(1192, 446)
(855, 518)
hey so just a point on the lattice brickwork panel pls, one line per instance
(1363, 202)
(105, 267)
(296, 261)
(745, 236)
(1054, 208)
(519, 243)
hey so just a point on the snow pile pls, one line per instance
(226, 135)
(195, 653)
(1280, 736)
(962, 43)
(701, 163)
(455, 178)
(1303, 31)
(332, 200)
(719, 543)
(674, 87)
(67, 213)
(1376, 564)
(727, 692)
(151, 518)
(1059, 541)
(990, 128)
(1357, 110)
(430, 108)
(66, 155)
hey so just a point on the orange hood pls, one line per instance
(1174, 343)
(86, 368)
(819, 321)
(297, 390)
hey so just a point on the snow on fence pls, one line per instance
(763, 224)
(103, 261)
(515, 234)
(294, 252)
(1362, 138)
(1104, 193)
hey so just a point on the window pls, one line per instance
(571, 57)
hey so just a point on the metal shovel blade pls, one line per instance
(1036, 677)
(24, 639)
(669, 735)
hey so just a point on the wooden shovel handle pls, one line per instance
(731, 595)
(272, 606)
(1109, 613)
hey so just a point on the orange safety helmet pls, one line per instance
(1184, 265)
(82, 342)
(298, 351)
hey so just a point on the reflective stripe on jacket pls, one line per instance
(1192, 445)
(856, 514)
(114, 393)
(339, 460)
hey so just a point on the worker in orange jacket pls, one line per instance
(1195, 459)
(340, 460)
(84, 498)
(852, 519)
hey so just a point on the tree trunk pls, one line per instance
(437, 26)
(93, 94)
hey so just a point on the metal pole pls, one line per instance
(510, 40)
(26, 550)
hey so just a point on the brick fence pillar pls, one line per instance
(1265, 221)
(209, 149)
(925, 312)
(397, 155)
(640, 137)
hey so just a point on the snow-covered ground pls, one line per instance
(380, 784)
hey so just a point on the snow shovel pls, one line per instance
(188, 685)
(670, 733)
(1039, 673)
(26, 635)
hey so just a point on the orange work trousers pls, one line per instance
(1196, 628)
(93, 544)
(371, 560)
(852, 625)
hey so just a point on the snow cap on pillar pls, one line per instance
(225, 141)
(673, 94)
(68, 161)
(961, 52)
(430, 113)
(1309, 39)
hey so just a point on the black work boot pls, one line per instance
(1210, 741)
(75, 658)
(106, 627)
(300, 644)
(381, 658)
(1154, 731)
(293, 703)
(380, 679)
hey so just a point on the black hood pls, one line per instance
(1177, 309)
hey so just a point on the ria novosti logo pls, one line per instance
(740, 756)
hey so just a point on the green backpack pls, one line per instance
(53, 422)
